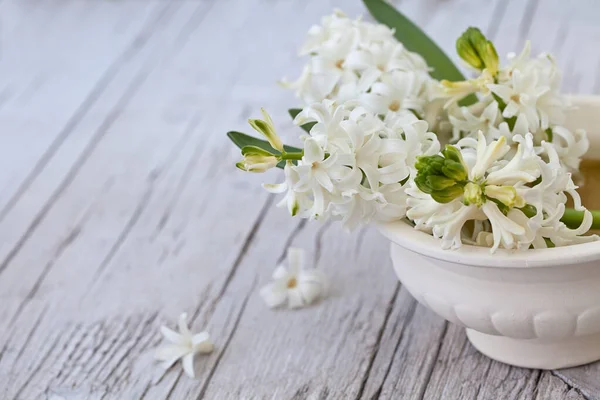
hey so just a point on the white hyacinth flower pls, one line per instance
(521, 97)
(355, 166)
(332, 27)
(385, 56)
(570, 146)
(183, 345)
(522, 197)
(348, 57)
(398, 90)
(546, 78)
(479, 117)
(294, 285)
(293, 200)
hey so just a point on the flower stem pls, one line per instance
(292, 156)
(573, 218)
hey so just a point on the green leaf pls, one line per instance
(295, 111)
(242, 140)
(414, 39)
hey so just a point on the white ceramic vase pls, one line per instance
(535, 309)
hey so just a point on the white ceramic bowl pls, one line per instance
(535, 309)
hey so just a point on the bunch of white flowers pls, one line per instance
(512, 203)
(522, 97)
(354, 166)
(358, 60)
(369, 154)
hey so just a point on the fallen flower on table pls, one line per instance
(183, 345)
(294, 284)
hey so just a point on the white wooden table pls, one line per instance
(121, 207)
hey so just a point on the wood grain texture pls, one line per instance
(120, 207)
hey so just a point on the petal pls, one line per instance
(281, 273)
(502, 91)
(367, 79)
(276, 188)
(312, 276)
(323, 179)
(170, 352)
(372, 176)
(295, 299)
(183, 326)
(188, 365)
(173, 336)
(355, 134)
(511, 110)
(312, 151)
(201, 343)
(503, 228)
(318, 207)
(374, 103)
(310, 291)
(358, 59)
(272, 296)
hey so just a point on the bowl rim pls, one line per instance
(404, 235)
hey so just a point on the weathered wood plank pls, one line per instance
(37, 67)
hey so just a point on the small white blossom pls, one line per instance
(479, 117)
(570, 146)
(521, 97)
(386, 56)
(545, 76)
(182, 345)
(295, 285)
(293, 200)
(331, 29)
(398, 90)
(354, 86)
(549, 197)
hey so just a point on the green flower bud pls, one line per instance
(448, 194)
(442, 177)
(473, 194)
(455, 170)
(467, 52)
(453, 153)
(422, 184)
(454, 166)
(490, 57)
(430, 165)
(267, 129)
(438, 182)
(474, 48)
(257, 159)
(506, 195)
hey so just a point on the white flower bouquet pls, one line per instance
(392, 133)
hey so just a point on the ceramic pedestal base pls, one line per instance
(538, 353)
(535, 308)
